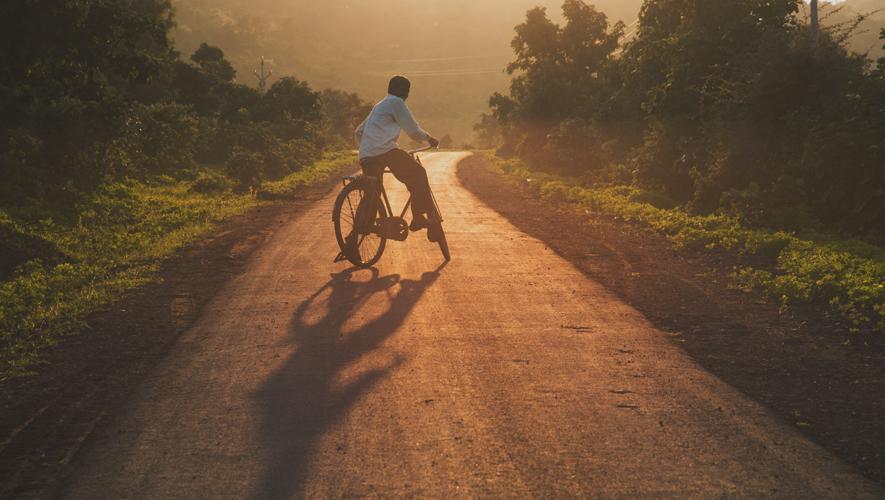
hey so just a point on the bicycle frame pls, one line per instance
(384, 197)
(386, 200)
(409, 201)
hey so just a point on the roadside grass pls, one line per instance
(111, 242)
(288, 187)
(846, 276)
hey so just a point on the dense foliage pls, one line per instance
(94, 91)
(729, 107)
(114, 150)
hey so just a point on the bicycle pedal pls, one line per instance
(340, 258)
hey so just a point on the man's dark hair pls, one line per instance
(399, 86)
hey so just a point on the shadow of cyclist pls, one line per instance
(305, 397)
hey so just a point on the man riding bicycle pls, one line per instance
(377, 136)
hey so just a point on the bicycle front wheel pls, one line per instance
(444, 245)
(355, 228)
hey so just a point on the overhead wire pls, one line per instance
(454, 58)
(444, 72)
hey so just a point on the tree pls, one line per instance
(560, 72)
(107, 47)
(238, 102)
(207, 84)
(66, 72)
(686, 47)
(882, 59)
(289, 98)
(343, 112)
(555, 65)
(701, 74)
(815, 19)
(487, 131)
(505, 110)
(211, 60)
(718, 105)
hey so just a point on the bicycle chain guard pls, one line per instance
(393, 228)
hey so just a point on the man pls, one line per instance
(377, 137)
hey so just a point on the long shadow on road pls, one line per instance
(302, 400)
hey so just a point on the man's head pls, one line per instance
(399, 86)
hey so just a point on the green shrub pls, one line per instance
(42, 303)
(301, 153)
(21, 166)
(331, 164)
(246, 168)
(578, 147)
(18, 247)
(653, 198)
(160, 138)
(211, 182)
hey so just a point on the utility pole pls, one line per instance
(262, 76)
(815, 20)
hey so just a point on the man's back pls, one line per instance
(379, 132)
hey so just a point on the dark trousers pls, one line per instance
(406, 170)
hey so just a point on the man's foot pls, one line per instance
(419, 222)
(434, 232)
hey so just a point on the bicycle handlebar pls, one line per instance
(421, 150)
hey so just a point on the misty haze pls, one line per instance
(454, 50)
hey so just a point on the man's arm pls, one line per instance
(359, 131)
(407, 122)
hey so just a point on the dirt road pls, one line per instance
(504, 373)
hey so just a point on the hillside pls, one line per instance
(453, 50)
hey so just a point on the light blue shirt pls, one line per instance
(379, 132)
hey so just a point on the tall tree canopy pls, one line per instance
(555, 64)
(730, 106)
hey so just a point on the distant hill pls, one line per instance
(455, 51)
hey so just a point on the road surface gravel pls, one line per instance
(505, 372)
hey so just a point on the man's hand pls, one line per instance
(434, 143)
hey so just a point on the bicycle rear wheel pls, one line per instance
(355, 228)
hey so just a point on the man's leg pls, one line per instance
(413, 175)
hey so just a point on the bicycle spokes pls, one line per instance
(358, 224)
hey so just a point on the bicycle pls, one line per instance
(362, 221)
